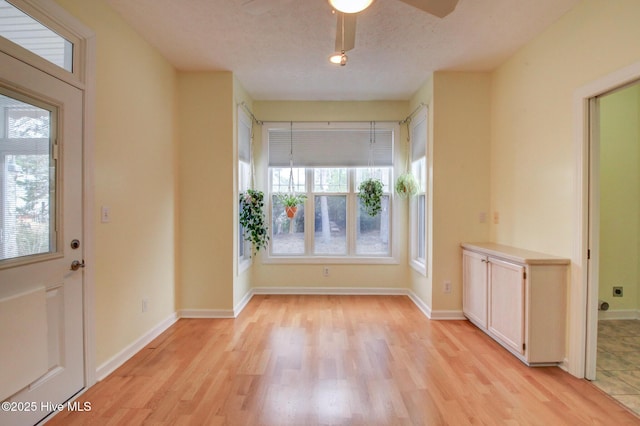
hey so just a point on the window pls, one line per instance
(23, 30)
(244, 181)
(27, 178)
(418, 206)
(330, 162)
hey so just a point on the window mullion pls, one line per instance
(351, 213)
(310, 208)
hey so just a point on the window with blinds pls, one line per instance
(418, 208)
(244, 181)
(27, 177)
(326, 162)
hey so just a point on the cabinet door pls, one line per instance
(474, 287)
(507, 303)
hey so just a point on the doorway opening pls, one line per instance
(614, 235)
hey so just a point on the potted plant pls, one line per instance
(370, 195)
(406, 185)
(252, 219)
(291, 203)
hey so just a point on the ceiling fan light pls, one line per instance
(350, 6)
(335, 58)
(338, 58)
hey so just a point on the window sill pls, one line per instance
(243, 265)
(332, 260)
(419, 267)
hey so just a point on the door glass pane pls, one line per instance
(30, 34)
(27, 180)
(331, 225)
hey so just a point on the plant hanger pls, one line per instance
(371, 189)
(290, 200)
(406, 184)
(292, 189)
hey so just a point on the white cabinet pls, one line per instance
(474, 290)
(518, 297)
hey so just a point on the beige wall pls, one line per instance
(620, 197)
(135, 175)
(459, 105)
(532, 152)
(207, 193)
(341, 275)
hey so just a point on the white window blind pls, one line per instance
(419, 137)
(244, 136)
(331, 147)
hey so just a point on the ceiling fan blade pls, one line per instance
(349, 31)
(439, 8)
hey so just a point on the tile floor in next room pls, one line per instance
(618, 361)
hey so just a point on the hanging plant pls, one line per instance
(252, 219)
(370, 194)
(406, 185)
(291, 203)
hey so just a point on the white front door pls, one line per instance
(41, 234)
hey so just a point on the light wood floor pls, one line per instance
(352, 360)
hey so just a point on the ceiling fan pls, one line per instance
(346, 11)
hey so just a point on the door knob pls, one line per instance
(75, 265)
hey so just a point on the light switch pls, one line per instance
(105, 214)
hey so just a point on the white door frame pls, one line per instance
(83, 77)
(583, 294)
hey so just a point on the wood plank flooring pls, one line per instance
(337, 360)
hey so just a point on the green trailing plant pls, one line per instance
(252, 219)
(370, 194)
(406, 185)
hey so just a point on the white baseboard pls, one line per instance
(424, 308)
(206, 313)
(242, 304)
(619, 314)
(124, 355)
(332, 291)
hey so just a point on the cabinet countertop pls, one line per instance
(515, 254)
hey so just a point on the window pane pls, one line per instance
(418, 168)
(373, 232)
(330, 224)
(287, 234)
(280, 177)
(330, 180)
(382, 173)
(421, 202)
(30, 34)
(27, 180)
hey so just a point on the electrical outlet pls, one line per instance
(325, 271)
(145, 305)
(105, 214)
(617, 291)
(446, 287)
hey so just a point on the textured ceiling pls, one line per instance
(281, 52)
